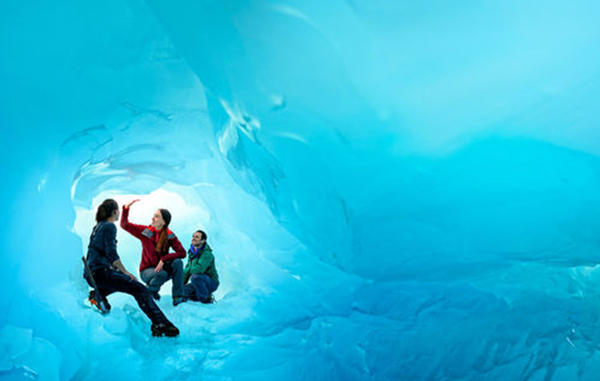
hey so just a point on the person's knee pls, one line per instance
(197, 277)
(177, 264)
(161, 276)
(146, 275)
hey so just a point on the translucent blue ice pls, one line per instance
(393, 190)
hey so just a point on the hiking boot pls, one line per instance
(209, 300)
(164, 329)
(178, 300)
(99, 302)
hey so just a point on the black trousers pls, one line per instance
(109, 281)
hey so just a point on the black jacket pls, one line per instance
(102, 250)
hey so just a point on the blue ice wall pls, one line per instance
(394, 190)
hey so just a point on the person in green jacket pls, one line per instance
(200, 270)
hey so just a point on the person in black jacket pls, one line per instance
(111, 276)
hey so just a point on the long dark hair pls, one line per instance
(163, 246)
(106, 209)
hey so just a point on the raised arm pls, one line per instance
(133, 229)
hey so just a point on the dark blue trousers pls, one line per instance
(200, 287)
(109, 281)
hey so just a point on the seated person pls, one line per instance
(200, 269)
(106, 274)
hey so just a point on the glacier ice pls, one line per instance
(394, 190)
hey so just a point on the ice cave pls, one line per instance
(392, 190)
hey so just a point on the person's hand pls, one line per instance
(131, 276)
(159, 267)
(127, 206)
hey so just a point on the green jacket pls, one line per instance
(202, 264)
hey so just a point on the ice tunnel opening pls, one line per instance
(187, 218)
(254, 253)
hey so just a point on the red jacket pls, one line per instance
(149, 237)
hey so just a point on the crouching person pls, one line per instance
(158, 265)
(200, 271)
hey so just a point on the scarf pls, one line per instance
(196, 252)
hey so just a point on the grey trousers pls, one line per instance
(171, 270)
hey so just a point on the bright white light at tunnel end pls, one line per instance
(186, 214)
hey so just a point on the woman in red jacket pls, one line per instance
(158, 265)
